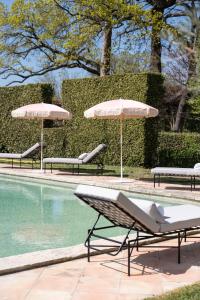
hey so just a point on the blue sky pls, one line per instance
(8, 2)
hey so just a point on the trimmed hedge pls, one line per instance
(140, 136)
(80, 134)
(179, 149)
(18, 135)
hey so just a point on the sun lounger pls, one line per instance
(148, 219)
(83, 159)
(29, 153)
(184, 172)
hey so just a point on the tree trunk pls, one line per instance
(156, 46)
(106, 51)
(179, 113)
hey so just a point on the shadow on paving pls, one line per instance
(164, 261)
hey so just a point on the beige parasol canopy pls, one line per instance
(121, 109)
(41, 111)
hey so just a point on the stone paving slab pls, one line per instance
(153, 272)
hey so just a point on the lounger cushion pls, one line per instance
(176, 171)
(120, 200)
(10, 155)
(180, 217)
(31, 150)
(60, 160)
(82, 156)
(197, 166)
(94, 153)
(150, 208)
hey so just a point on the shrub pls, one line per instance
(179, 149)
(140, 136)
(18, 135)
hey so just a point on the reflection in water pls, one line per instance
(36, 216)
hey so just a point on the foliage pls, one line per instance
(191, 292)
(179, 149)
(140, 136)
(80, 134)
(63, 34)
(126, 62)
(18, 135)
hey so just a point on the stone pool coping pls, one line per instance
(135, 186)
(37, 259)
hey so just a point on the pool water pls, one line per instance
(37, 215)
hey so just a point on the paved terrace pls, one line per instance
(153, 272)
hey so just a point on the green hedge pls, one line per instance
(79, 134)
(140, 136)
(18, 135)
(179, 149)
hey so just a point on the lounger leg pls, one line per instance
(179, 248)
(32, 164)
(137, 243)
(159, 180)
(129, 258)
(154, 180)
(88, 248)
(194, 182)
(78, 170)
(185, 235)
(191, 180)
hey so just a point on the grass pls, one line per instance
(191, 292)
(131, 172)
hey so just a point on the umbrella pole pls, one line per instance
(42, 138)
(121, 143)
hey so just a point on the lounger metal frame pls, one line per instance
(192, 179)
(143, 234)
(99, 168)
(20, 161)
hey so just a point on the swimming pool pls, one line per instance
(37, 215)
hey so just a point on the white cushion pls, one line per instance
(181, 217)
(150, 208)
(82, 156)
(197, 166)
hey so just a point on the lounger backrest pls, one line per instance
(32, 151)
(117, 208)
(92, 155)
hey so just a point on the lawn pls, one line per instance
(191, 292)
(132, 172)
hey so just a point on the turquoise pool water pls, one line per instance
(37, 215)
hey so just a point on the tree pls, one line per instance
(62, 34)
(126, 62)
(191, 45)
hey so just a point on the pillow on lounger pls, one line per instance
(197, 166)
(150, 208)
(82, 156)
